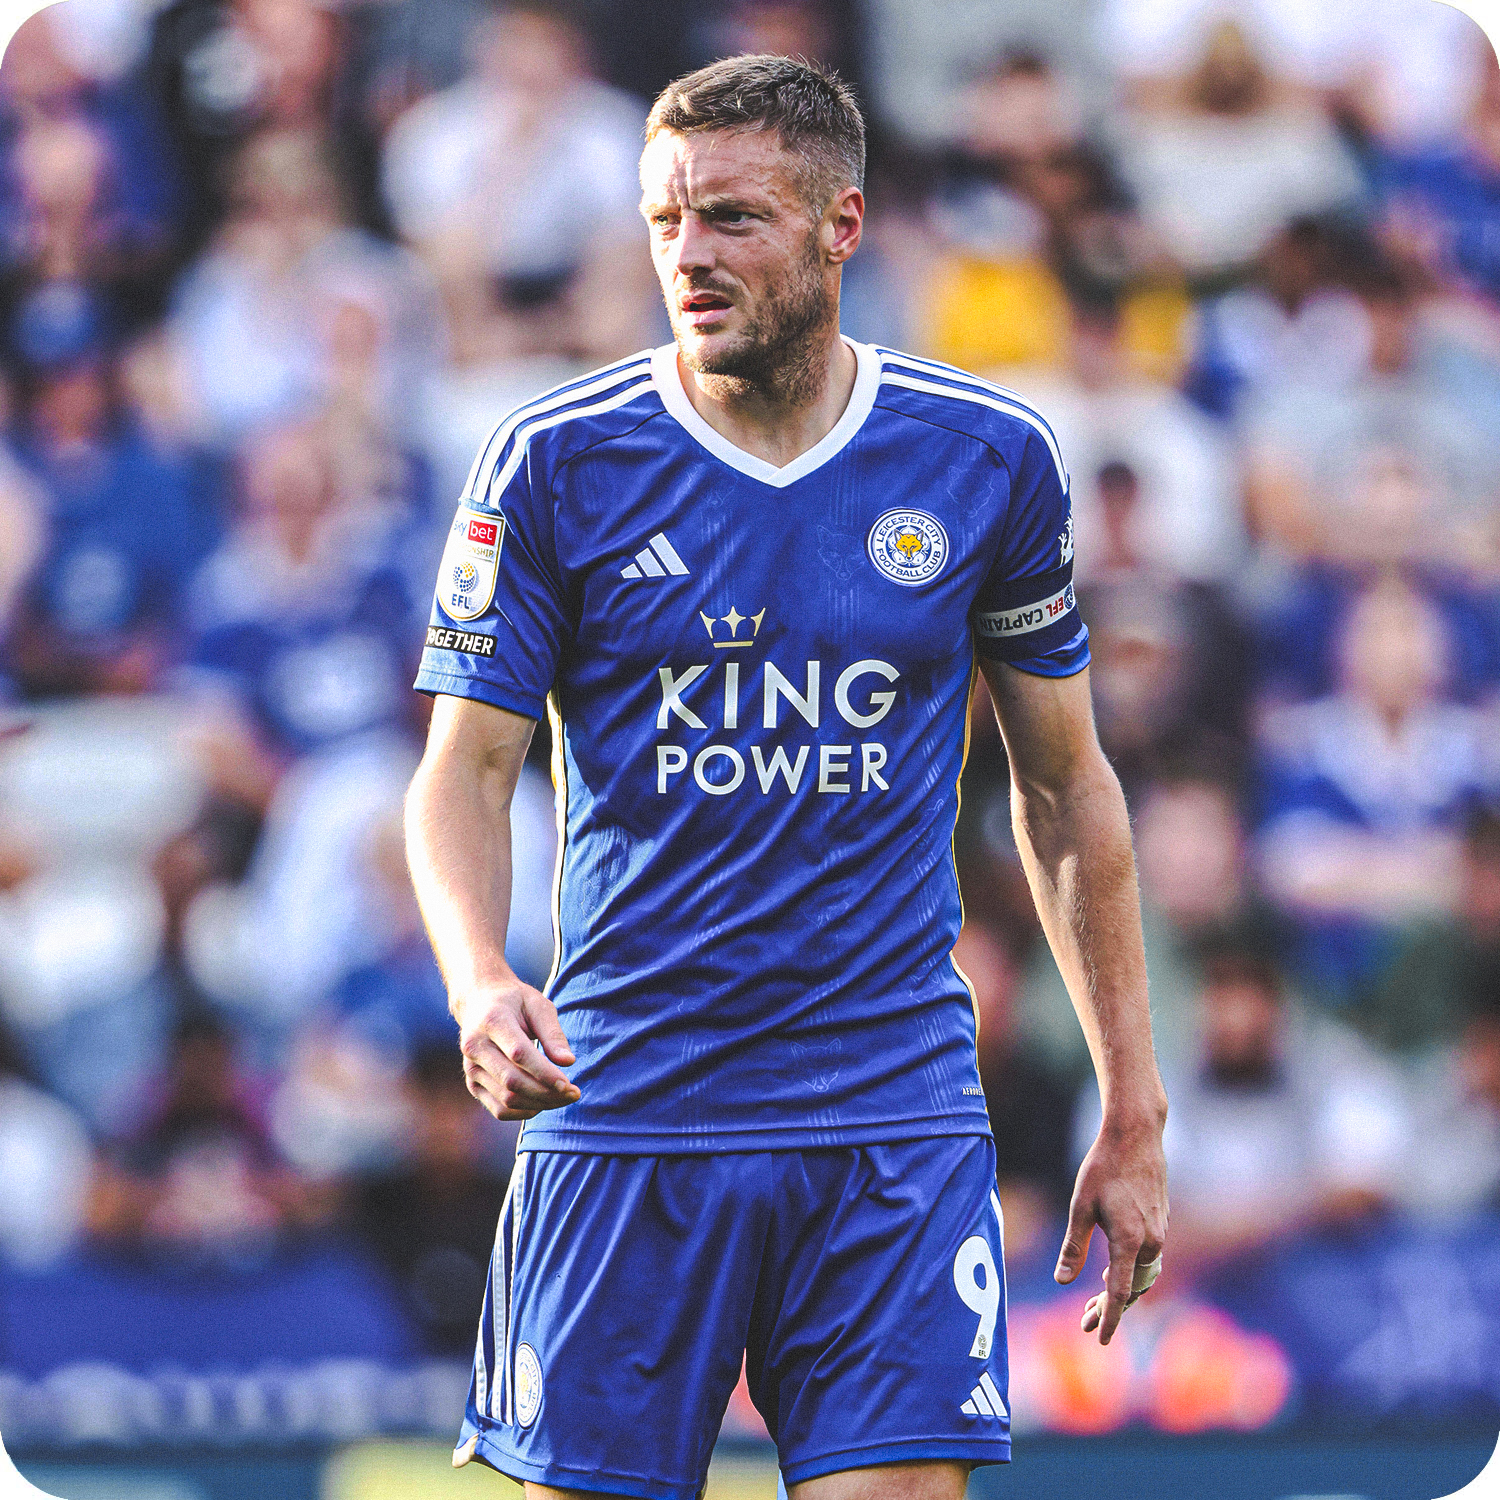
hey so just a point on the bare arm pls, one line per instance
(458, 847)
(1073, 834)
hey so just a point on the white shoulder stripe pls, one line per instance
(526, 433)
(601, 380)
(1010, 408)
(952, 372)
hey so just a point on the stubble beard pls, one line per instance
(781, 353)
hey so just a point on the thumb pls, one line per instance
(541, 1016)
(1075, 1245)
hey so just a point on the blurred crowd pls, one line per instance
(270, 270)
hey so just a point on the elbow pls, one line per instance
(1050, 792)
(418, 790)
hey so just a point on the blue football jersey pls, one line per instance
(759, 682)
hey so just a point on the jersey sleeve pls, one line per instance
(1025, 612)
(499, 620)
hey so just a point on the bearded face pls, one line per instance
(774, 328)
(740, 253)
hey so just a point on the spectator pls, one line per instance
(90, 791)
(126, 519)
(1185, 514)
(1196, 895)
(1029, 207)
(1295, 617)
(919, 73)
(1282, 1125)
(1290, 324)
(402, 51)
(1403, 70)
(1441, 199)
(1443, 970)
(226, 69)
(824, 31)
(1009, 181)
(1169, 675)
(431, 1220)
(202, 1182)
(1228, 154)
(1453, 1167)
(1398, 465)
(46, 1163)
(525, 164)
(1197, 892)
(291, 303)
(1364, 791)
(397, 1000)
(303, 615)
(1150, 679)
(88, 191)
(308, 687)
(500, 356)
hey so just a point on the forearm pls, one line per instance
(458, 848)
(1074, 842)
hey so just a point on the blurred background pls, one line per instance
(270, 269)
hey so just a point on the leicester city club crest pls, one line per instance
(466, 579)
(528, 1385)
(908, 546)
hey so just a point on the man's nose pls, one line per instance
(692, 248)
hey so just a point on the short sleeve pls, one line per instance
(1025, 612)
(498, 619)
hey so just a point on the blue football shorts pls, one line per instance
(862, 1286)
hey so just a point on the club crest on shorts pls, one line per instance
(466, 576)
(528, 1385)
(909, 546)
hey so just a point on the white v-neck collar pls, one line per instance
(668, 381)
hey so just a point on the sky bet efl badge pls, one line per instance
(908, 546)
(466, 579)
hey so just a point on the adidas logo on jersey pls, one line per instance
(655, 560)
(985, 1400)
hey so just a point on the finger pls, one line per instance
(1092, 1313)
(1075, 1245)
(1094, 1309)
(526, 1053)
(1117, 1281)
(493, 1106)
(508, 1084)
(520, 1090)
(541, 1016)
(483, 1059)
(1147, 1269)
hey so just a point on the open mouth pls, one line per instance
(703, 305)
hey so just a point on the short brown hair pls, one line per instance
(811, 108)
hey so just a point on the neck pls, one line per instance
(779, 418)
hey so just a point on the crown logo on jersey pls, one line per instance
(734, 619)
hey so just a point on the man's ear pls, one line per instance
(843, 224)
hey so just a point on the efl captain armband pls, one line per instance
(1014, 614)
